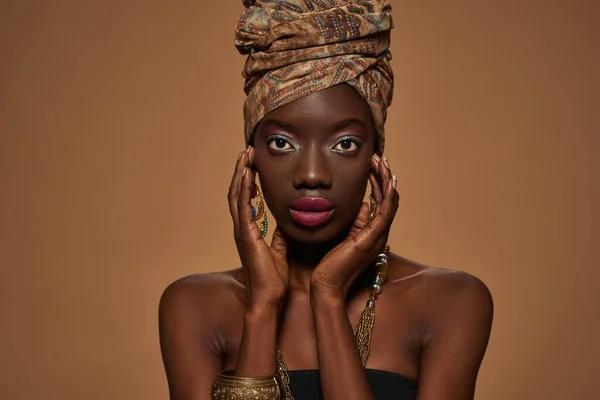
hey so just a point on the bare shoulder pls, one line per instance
(196, 316)
(441, 289)
(203, 294)
(442, 280)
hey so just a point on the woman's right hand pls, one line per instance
(266, 269)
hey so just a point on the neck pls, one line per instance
(303, 258)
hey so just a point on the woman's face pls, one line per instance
(313, 160)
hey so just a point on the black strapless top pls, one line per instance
(306, 385)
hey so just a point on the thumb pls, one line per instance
(278, 242)
(361, 221)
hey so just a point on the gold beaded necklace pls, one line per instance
(362, 332)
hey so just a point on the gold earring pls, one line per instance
(259, 212)
(372, 205)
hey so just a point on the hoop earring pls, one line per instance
(259, 212)
(372, 205)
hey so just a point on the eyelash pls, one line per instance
(273, 139)
(353, 140)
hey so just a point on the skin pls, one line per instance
(308, 287)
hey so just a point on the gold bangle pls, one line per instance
(228, 387)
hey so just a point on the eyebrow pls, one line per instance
(348, 122)
(278, 124)
(339, 125)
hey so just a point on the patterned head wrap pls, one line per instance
(298, 47)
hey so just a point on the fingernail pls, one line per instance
(248, 148)
(245, 170)
(376, 157)
(240, 155)
(386, 163)
(394, 181)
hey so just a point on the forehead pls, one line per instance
(323, 108)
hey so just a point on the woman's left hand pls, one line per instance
(343, 264)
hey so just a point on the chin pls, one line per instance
(330, 232)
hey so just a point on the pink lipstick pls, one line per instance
(311, 211)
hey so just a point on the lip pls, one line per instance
(311, 219)
(313, 204)
(311, 211)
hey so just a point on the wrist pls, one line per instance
(256, 354)
(322, 289)
(323, 296)
(260, 310)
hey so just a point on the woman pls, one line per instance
(298, 316)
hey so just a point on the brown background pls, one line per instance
(120, 126)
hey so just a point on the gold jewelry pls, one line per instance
(227, 387)
(372, 205)
(364, 329)
(259, 212)
(362, 332)
(282, 375)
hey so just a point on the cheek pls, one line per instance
(269, 193)
(352, 184)
(274, 185)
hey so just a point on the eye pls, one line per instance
(279, 143)
(347, 145)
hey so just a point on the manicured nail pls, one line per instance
(394, 181)
(386, 163)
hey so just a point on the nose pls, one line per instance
(312, 169)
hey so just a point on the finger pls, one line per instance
(385, 173)
(360, 230)
(251, 155)
(247, 227)
(375, 162)
(375, 192)
(378, 230)
(234, 187)
(380, 173)
(382, 222)
(373, 237)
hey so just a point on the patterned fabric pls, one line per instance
(298, 47)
